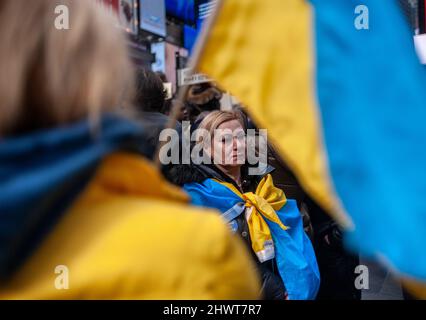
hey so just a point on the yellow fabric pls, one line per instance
(261, 51)
(416, 288)
(130, 235)
(264, 203)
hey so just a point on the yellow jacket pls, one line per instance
(130, 235)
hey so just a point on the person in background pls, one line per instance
(337, 265)
(81, 209)
(150, 101)
(202, 99)
(169, 94)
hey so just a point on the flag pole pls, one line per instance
(192, 65)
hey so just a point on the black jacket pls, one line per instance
(153, 124)
(272, 287)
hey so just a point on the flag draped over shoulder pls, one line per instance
(339, 102)
(275, 226)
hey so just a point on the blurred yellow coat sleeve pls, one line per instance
(262, 52)
(127, 237)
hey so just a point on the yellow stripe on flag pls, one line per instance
(261, 51)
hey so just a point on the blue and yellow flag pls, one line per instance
(275, 226)
(341, 92)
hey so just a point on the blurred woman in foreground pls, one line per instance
(82, 215)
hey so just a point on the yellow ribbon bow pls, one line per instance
(262, 204)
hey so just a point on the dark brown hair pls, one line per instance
(150, 92)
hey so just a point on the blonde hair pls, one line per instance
(50, 77)
(216, 118)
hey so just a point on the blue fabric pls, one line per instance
(34, 166)
(372, 97)
(212, 195)
(294, 253)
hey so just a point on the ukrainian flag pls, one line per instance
(341, 91)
